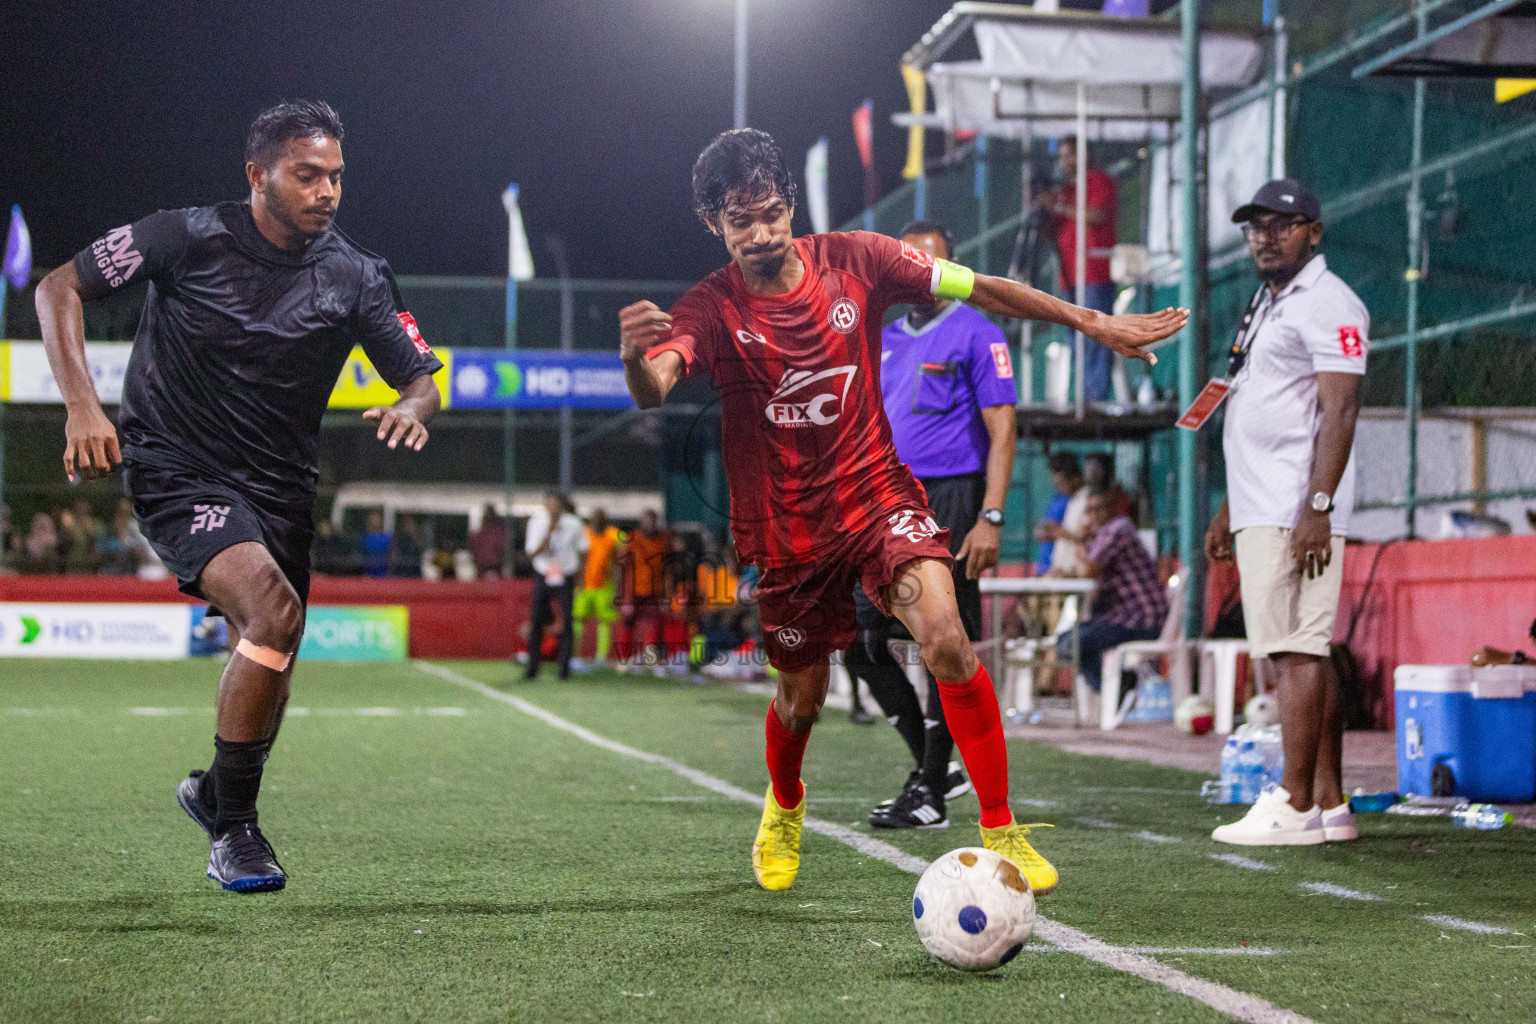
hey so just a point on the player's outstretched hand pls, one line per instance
(641, 325)
(90, 445)
(1129, 332)
(399, 425)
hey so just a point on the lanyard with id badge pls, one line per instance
(1217, 389)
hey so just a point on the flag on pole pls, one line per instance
(18, 251)
(864, 136)
(816, 187)
(917, 94)
(519, 256)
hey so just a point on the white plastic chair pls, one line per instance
(1022, 655)
(1170, 644)
(1218, 677)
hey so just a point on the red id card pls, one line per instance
(1205, 404)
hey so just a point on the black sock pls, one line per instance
(237, 780)
(890, 687)
(207, 794)
(939, 746)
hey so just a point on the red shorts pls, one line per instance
(807, 610)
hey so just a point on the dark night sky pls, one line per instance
(595, 107)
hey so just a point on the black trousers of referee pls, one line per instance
(956, 503)
(545, 598)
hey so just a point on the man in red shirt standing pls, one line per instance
(1099, 293)
(790, 332)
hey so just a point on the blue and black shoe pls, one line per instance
(189, 796)
(243, 861)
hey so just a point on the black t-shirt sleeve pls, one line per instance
(147, 249)
(388, 333)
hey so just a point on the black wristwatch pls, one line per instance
(993, 516)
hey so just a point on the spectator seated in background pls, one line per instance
(724, 624)
(79, 533)
(377, 543)
(488, 544)
(120, 550)
(37, 553)
(1067, 478)
(334, 553)
(643, 589)
(405, 556)
(1130, 602)
(1099, 474)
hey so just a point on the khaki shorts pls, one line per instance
(1283, 610)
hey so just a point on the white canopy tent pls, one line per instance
(1053, 74)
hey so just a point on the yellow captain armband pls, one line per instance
(952, 281)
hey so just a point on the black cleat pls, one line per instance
(955, 783)
(187, 796)
(243, 861)
(885, 805)
(916, 808)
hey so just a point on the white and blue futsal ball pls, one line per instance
(973, 909)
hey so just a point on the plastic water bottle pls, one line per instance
(1273, 753)
(1231, 790)
(1250, 770)
(1480, 816)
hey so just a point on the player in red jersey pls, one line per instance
(790, 332)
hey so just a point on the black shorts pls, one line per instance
(188, 518)
(956, 504)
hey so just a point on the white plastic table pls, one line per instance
(1065, 586)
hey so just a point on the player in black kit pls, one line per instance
(251, 311)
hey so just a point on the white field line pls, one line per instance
(1153, 837)
(1329, 889)
(1237, 1005)
(1177, 950)
(1460, 924)
(1237, 860)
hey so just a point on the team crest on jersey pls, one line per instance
(844, 315)
(790, 637)
(805, 398)
(913, 526)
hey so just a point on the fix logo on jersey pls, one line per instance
(1350, 342)
(209, 517)
(115, 255)
(913, 525)
(790, 406)
(843, 317)
(413, 332)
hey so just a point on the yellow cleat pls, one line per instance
(1012, 841)
(776, 850)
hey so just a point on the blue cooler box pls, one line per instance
(1467, 732)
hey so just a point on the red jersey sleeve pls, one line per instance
(695, 334)
(897, 272)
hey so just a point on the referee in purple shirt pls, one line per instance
(946, 378)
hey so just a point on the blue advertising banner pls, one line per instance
(534, 379)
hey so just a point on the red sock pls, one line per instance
(977, 726)
(785, 752)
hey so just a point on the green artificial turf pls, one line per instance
(485, 866)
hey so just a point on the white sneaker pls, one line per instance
(1339, 824)
(1272, 821)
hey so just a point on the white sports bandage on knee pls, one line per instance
(266, 657)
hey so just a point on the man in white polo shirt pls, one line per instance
(1296, 368)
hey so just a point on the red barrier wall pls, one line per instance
(1432, 603)
(448, 619)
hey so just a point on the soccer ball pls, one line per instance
(973, 910)
(1194, 715)
(1261, 712)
